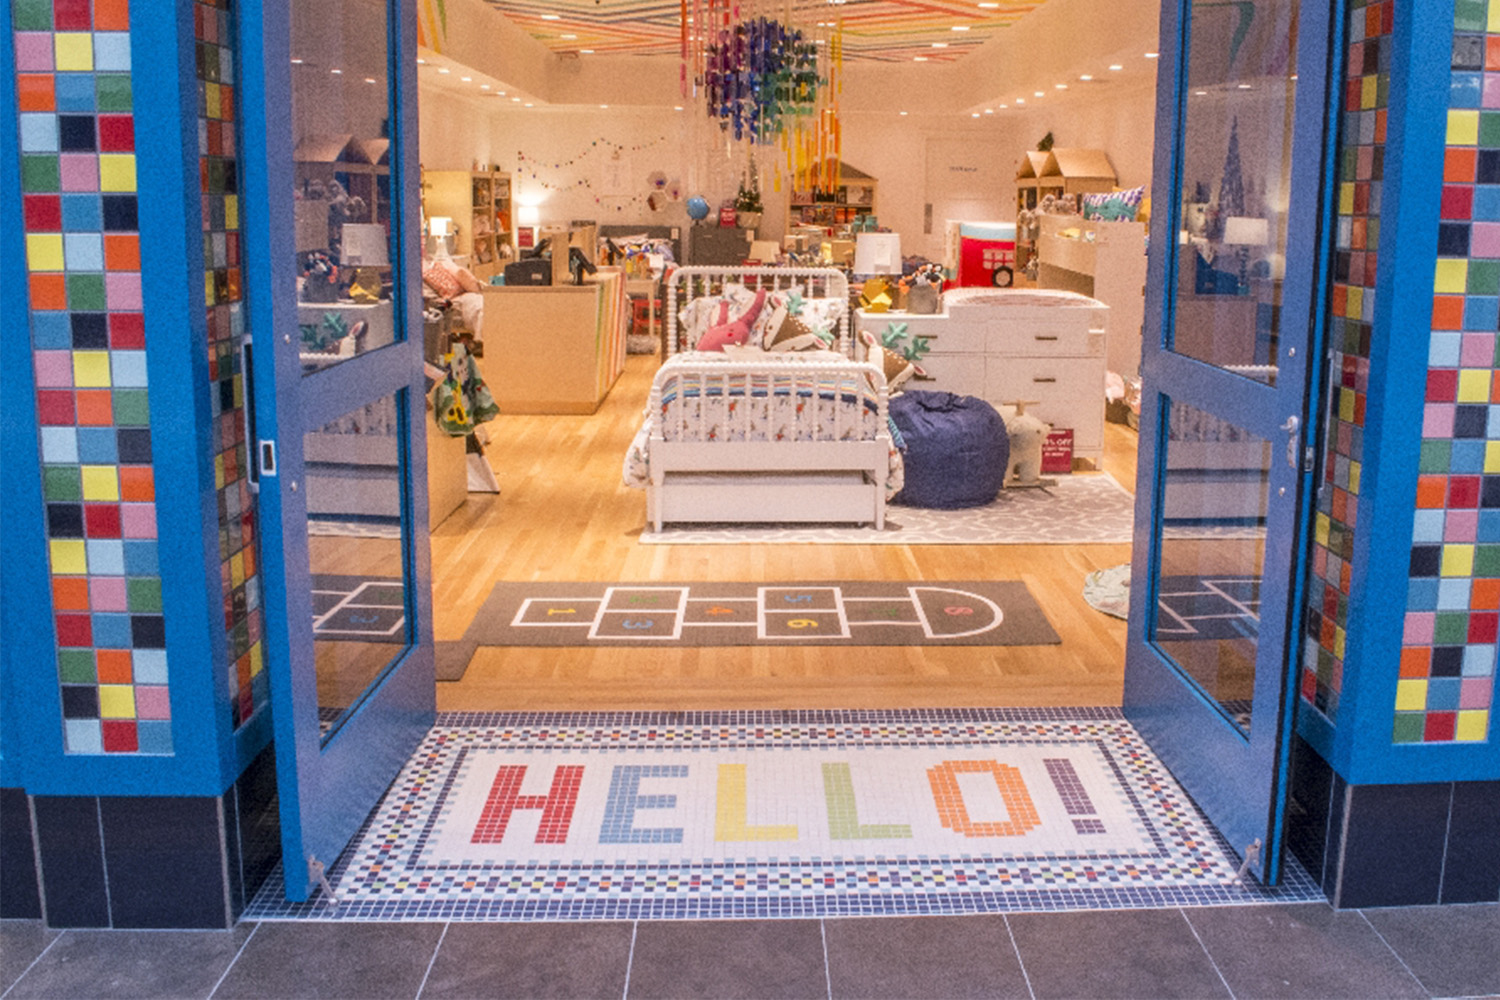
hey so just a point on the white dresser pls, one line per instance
(1046, 347)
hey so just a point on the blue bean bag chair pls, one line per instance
(956, 449)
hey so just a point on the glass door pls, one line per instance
(340, 408)
(1238, 237)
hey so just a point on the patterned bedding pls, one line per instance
(807, 411)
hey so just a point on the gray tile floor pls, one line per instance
(1258, 951)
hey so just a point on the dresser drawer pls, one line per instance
(1051, 340)
(960, 373)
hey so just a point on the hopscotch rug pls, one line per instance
(768, 814)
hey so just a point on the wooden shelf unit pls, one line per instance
(855, 197)
(479, 202)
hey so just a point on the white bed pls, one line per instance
(786, 437)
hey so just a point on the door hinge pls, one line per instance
(316, 872)
(1252, 855)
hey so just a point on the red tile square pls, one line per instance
(54, 408)
(74, 630)
(1442, 385)
(1463, 492)
(119, 737)
(1458, 202)
(101, 520)
(1483, 627)
(72, 15)
(35, 92)
(116, 133)
(1440, 727)
(95, 408)
(43, 213)
(127, 331)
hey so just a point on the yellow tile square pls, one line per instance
(1355, 309)
(1411, 695)
(1321, 524)
(208, 287)
(1346, 405)
(1458, 560)
(1368, 92)
(91, 369)
(1492, 456)
(1346, 192)
(237, 569)
(74, 51)
(1452, 277)
(117, 172)
(256, 662)
(1463, 128)
(1473, 726)
(1494, 22)
(116, 701)
(1340, 640)
(1354, 468)
(218, 472)
(69, 556)
(231, 212)
(211, 100)
(44, 252)
(100, 482)
(1474, 385)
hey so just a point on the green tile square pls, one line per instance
(143, 593)
(1383, 90)
(76, 666)
(1470, 15)
(86, 292)
(1372, 232)
(1451, 628)
(1409, 727)
(1489, 129)
(62, 482)
(40, 174)
(31, 15)
(1487, 560)
(1484, 277)
(1351, 164)
(1436, 456)
(132, 408)
(112, 91)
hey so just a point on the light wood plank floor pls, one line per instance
(563, 514)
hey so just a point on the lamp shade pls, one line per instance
(1240, 230)
(365, 245)
(529, 215)
(440, 225)
(877, 253)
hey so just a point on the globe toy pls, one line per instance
(697, 208)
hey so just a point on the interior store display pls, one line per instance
(480, 205)
(848, 201)
(1104, 261)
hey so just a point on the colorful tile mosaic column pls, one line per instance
(78, 183)
(218, 152)
(1351, 314)
(1447, 673)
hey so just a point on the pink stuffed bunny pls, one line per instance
(736, 331)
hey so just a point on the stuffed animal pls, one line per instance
(1026, 435)
(736, 331)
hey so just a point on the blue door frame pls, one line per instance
(328, 787)
(1238, 778)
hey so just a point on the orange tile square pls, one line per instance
(113, 666)
(1432, 492)
(1380, 123)
(1459, 165)
(34, 92)
(1485, 594)
(70, 593)
(122, 252)
(137, 482)
(95, 407)
(1447, 312)
(1415, 661)
(111, 15)
(1495, 387)
(49, 291)
(1492, 53)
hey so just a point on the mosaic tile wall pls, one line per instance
(218, 151)
(1447, 674)
(78, 186)
(1361, 172)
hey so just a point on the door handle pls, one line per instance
(1291, 426)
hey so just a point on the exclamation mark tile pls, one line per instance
(1075, 799)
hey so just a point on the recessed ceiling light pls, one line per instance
(1086, 77)
(960, 27)
(296, 62)
(989, 111)
(677, 108)
(586, 52)
(567, 37)
(530, 105)
(1201, 93)
(989, 6)
(444, 69)
(516, 99)
(1152, 55)
(974, 114)
(1039, 93)
(467, 79)
(1019, 100)
(484, 86)
(337, 72)
(919, 58)
(940, 45)
(604, 106)
(420, 61)
(499, 93)
(369, 79)
(1244, 86)
(904, 114)
(551, 17)
(1060, 86)
(1117, 67)
(1004, 106)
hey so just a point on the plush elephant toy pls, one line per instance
(1026, 435)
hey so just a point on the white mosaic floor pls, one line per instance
(779, 814)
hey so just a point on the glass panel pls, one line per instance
(1214, 508)
(1236, 166)
(341, 115)
(356, 552)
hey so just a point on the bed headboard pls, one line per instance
(689, 283)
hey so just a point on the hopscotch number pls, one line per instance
(797, 599)
(648, 623)
(719, 611)
(802, 623)
(960, 610)
(562, 611)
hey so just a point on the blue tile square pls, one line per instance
(81, 213)
(153, 737)
(96, 446)
(51, 331)
(1442, 693)
(1492, 423)
(111, 631)
(1486, 202)
(1489, 526)
(1481, 312)
(1466, 90)
(141, 558)
(74, 91)
(83, 736)
(1466, 456)
(1422, 594)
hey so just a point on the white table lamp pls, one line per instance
(877, 253)
(364, 245)
(440, 227)
(1246, 232)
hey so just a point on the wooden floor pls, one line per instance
(563, 514)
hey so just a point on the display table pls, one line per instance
(555, 348)
(1046, 348)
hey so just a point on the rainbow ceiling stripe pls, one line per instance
(874, 30)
